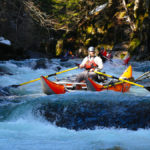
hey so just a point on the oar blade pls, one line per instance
(148, 88)
(14, 86)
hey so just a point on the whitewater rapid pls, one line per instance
(22, 128)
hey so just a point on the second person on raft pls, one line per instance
(91, 63)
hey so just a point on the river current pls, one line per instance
(91, 120)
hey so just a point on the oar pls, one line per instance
(110, 76)
(44, 76)
(142, 76)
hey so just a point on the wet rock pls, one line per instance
(83, 115)
(4, 71)
(41, 63)
(57, 68)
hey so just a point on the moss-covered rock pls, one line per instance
(59, 47)
(134, 44)
(53, 26)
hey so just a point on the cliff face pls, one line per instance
(121, 25)
(47, 28)
(16, 26)
(27, 37)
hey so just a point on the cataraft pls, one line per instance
(50, 87)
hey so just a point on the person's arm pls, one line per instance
(99, 62)
(83, 62)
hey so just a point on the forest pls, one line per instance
(50, 27)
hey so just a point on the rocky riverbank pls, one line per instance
(35, 32)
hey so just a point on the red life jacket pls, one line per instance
(104, 53)
(90, 64)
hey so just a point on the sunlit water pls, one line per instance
(22, 129)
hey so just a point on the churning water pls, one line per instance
(31, 120)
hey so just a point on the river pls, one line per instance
(24, 127)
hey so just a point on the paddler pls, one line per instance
(91, 63)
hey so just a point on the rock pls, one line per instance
(9, 52)
(41, 63)
(121, 46)
(57, 68)
(84, 115)
(4, 71)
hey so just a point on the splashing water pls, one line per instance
(23, 127)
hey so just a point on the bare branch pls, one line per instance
(42, 18)
(132, 25)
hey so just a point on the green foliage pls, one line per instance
(66, 14)
(134, 44)
(62, 12)
(108, 27)
(59, 47)
(90, 30)
(131, 4)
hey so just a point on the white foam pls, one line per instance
(42, 135)
(24, 131)
(4, 41)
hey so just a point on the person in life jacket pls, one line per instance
(91, 63)
(102, 54)
(105, 54)
(103, 51)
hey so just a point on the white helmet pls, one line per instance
(91, 49)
